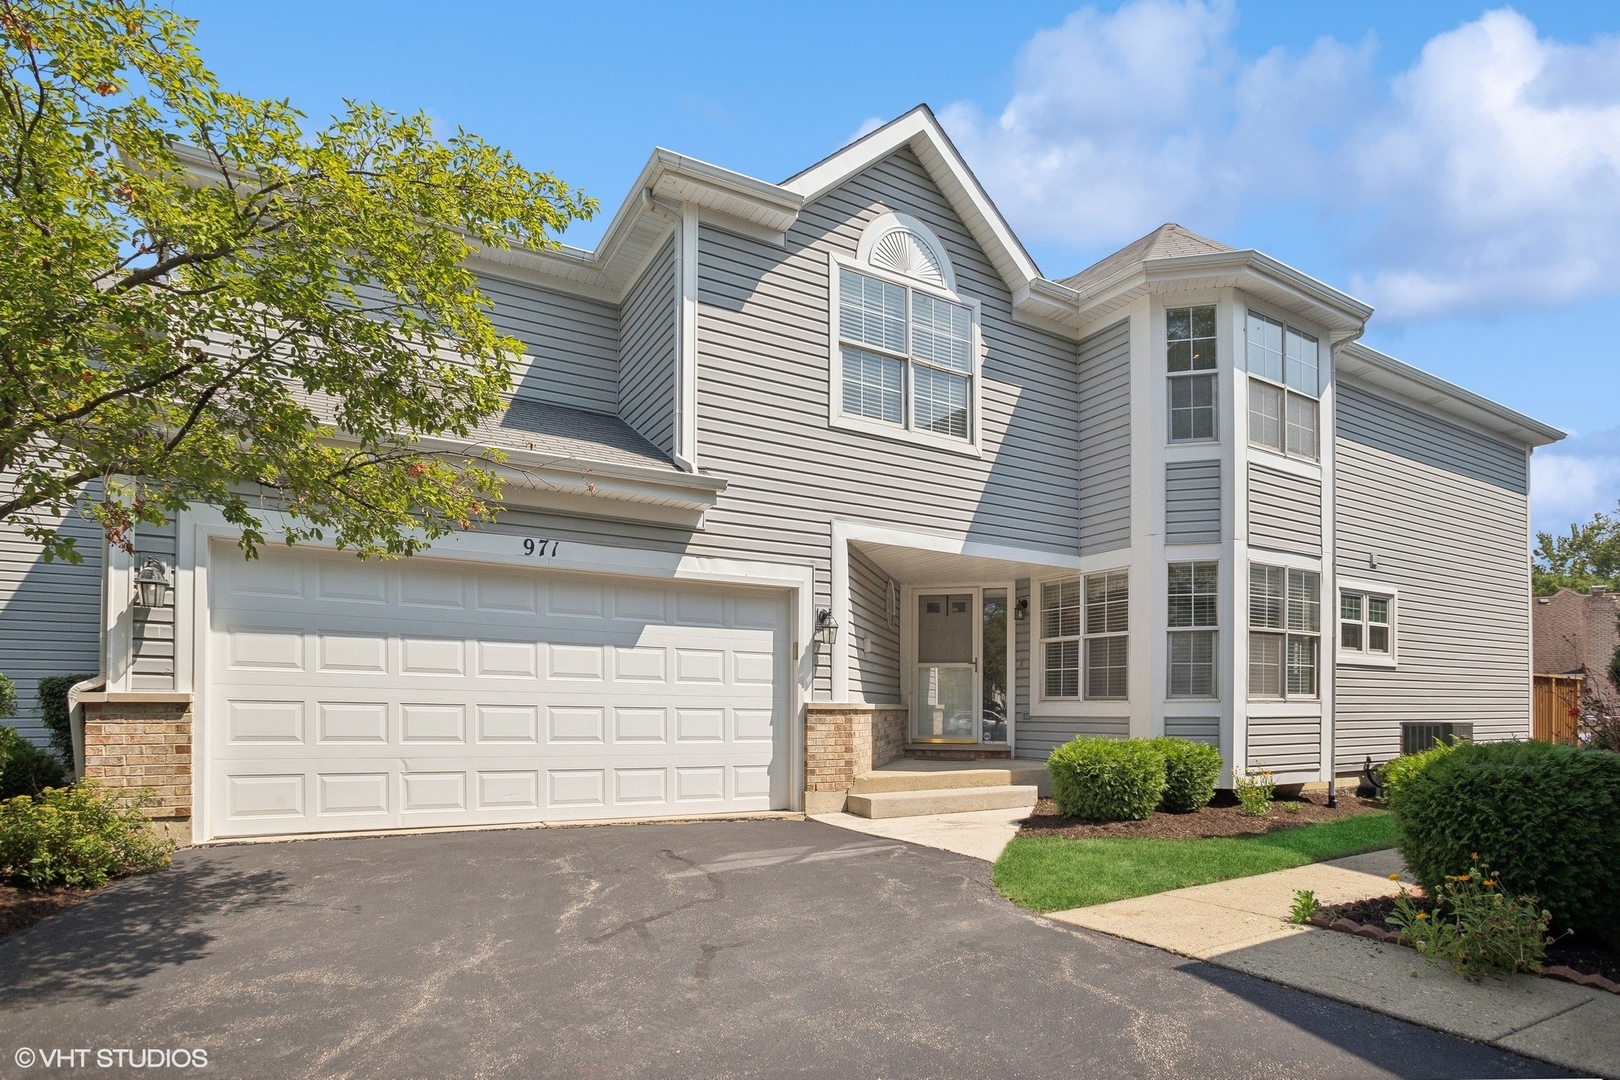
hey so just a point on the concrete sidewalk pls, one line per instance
(979, 834)
(1243, 925)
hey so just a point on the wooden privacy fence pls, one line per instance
(1558, 708)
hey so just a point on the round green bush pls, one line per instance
(1541, 815)
(1107, 779)
(1190, 772)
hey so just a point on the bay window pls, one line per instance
(1284, 384)
(1190, 366)
(1285, 625)
(1193, 618)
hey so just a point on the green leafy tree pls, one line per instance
(204, 300)
(1588, 555)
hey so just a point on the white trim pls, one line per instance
(686, 368)
(1366, 658)
(1379, 371)
(919, 130)
(207, 524)
(881, 226)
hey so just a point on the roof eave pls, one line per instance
(1343, 315)
(1377, 369)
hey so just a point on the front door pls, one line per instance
(961, 694)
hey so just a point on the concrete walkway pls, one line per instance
(979, 834)
(1243, 925)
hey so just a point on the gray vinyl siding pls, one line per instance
(1285, 511)
(762, 410)
(874, 671)
(1445, 511)
(647, 352)
(1409, 432)
(1285, 745)
(1105, 440)
(1204, 729)
(50, 615)
(572, 344)
(1040, 735)
(152, 629)
(1192, 502)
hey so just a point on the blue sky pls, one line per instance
(1456, 165)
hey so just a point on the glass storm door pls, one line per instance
(945, 705)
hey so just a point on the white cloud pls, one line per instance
(1484, 177)
(1572, 480)
(869, 125)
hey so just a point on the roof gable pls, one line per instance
(920, 131)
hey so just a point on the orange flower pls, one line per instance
(1394, 877)
(1473, 854)
(1423, 914)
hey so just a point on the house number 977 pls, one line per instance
(540, 549)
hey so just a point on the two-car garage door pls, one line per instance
(363, 695)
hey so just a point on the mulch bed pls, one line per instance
(1219, 818)
(21, 908)
(1588, 963)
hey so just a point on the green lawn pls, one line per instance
(1049, 873)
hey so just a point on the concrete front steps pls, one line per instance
(918, 788)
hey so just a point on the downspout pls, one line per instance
(96, 682)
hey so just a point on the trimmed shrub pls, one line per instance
(1107, 779)
(1540, 814)
(25, 769)
(53, 712)
(1190, 772)
(78, 836)
(1395, 773)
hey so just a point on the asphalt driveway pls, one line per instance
(758, 948)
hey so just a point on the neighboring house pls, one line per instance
(1577, 634)
(807, 475)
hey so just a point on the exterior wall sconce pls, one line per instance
(826, 627)
(151, 582)
(1021, 610)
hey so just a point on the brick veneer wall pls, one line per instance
(134, 745)
(844, 740)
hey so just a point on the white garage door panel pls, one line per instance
(346, 695)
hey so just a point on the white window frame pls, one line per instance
(973, 445)
(1285, 633)
(1363, 657)
(1282, 388)
(1089, 636)
(1041, 640)
(1211, 374)
(1212, 629)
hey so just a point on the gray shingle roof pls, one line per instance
(1167, 241)
(570, 433)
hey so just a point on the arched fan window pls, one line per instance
(901, 244)
(903, 252)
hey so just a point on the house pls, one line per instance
(811, 475)
(1579, 634)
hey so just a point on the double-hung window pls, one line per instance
(1193, 619)
(1366, 625)
(1284, 384)
(907, 357)
(1060, 637)
(1285, 627)
(1190, 366)
(1107, 638)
